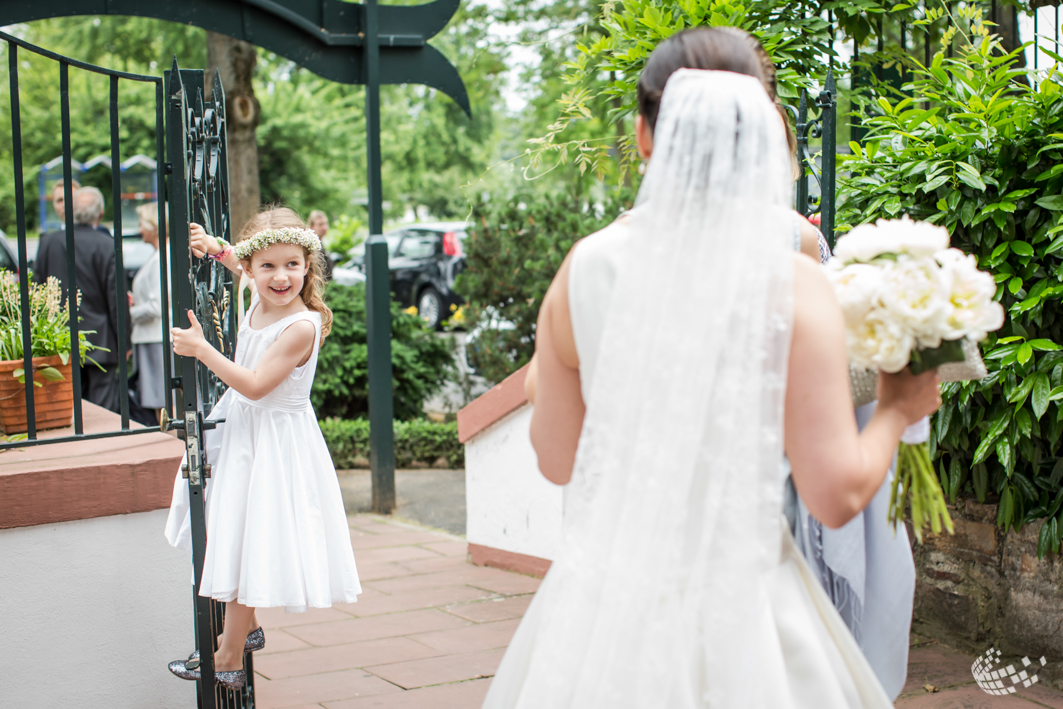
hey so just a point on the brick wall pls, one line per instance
(982, 588)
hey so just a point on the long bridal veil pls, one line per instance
(659, 597)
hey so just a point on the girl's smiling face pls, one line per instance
(279, 272)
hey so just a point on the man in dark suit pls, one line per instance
(94, 266)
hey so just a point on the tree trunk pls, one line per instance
(235, 59)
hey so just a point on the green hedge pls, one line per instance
(977, 150)
(420, 360)
(417, 442)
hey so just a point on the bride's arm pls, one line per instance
(557, 418)
(836, 468)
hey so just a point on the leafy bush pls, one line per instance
(512, 253)
(420, 360)
(978, 151)
(416, 442)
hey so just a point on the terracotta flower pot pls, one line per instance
(53, 403)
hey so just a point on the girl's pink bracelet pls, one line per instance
(220, 256)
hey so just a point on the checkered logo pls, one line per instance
(994, 681)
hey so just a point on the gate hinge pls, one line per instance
(167, 168)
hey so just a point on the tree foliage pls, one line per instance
(792, 31)
(980, 152)
(420, 359)
(514, 249)
(311, 137)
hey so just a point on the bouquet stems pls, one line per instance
(918, 483)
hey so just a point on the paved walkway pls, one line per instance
(431, 628)
(427, 633)
(939, 677)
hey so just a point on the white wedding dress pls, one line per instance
(678, 583)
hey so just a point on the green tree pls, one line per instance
(515, 247)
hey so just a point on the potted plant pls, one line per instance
(49, 320)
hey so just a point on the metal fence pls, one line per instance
(70, 285)
(194, 177)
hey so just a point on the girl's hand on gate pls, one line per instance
(201, 242)
(189, 342)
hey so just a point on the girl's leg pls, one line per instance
(230, 656)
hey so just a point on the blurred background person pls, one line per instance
(146, 313)
(318, 221)
(94, 265)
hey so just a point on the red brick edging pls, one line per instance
(492, 405)
(62, 482)
(508, 560)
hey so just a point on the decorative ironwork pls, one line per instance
(199, 193)
(823, 127)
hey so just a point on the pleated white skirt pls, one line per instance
(277, 531)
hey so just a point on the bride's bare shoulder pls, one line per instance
(811, 286)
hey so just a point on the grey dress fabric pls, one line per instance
(866, 570)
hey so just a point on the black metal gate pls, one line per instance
(199, 192)
(825, 127)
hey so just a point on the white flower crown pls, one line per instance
(268, 237)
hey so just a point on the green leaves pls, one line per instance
(420, 359)
(1052, 202)
(1001, 143)
(516, 246)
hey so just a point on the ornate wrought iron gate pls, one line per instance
(825, 127)
(199, 192)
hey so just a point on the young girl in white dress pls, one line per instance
(277, 532)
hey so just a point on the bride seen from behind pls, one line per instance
(678, 357)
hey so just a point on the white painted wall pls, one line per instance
(90, 613)
(511, 506)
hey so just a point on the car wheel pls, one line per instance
(430, 307)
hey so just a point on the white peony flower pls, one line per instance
(974, 312)
(916, 297)
(879, 343)
(857, 287)
(898, 236)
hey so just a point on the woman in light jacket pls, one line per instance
(146, 312)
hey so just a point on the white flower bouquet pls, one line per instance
(910, 301)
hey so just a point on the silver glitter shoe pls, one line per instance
(256, 640)
(179, 668)
(236, 679)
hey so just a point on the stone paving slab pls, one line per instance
(949, 672)
(430, 630)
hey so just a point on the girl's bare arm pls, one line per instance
(291, 347)
(203, 244)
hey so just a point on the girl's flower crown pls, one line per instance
(268, 237)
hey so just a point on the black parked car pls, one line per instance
(424, 260)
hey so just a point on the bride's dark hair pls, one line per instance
(711, 48)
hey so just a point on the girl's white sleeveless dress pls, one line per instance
(808, 659)
(277, 531)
